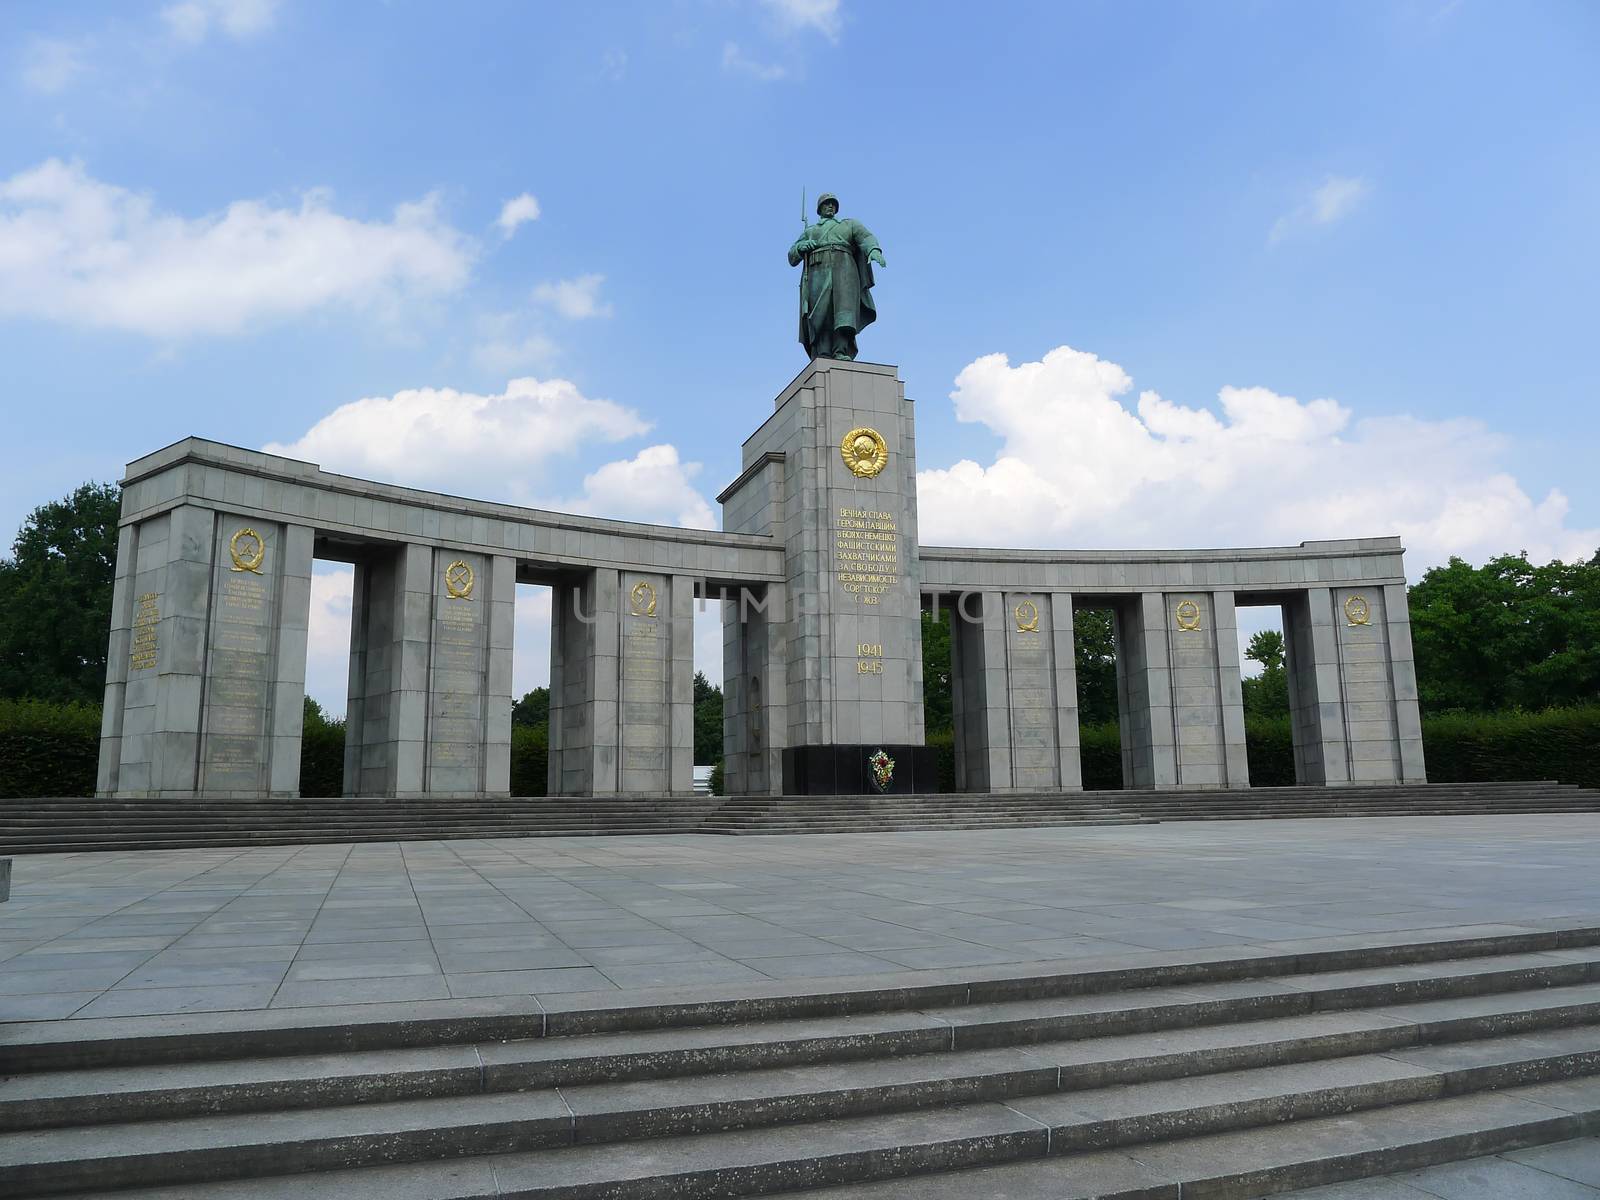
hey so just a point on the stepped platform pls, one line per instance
(1195, 1075)
(56, 825)
(1195, 1009)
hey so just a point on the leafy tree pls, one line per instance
(55, 598)
(1095, 648)
(1507, 634)
(533, 709)
(1267, 694)
(937, 702)
(707, 720)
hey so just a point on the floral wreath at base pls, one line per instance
(881, 767)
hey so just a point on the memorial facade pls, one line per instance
(821, 580)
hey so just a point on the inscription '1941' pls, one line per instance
(146, 621)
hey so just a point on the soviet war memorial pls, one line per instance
(584, 688)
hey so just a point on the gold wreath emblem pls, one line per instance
(247, 550)
(1027, 615)
(1357, 611)
(642, 600)
(1188, 615)
(459, 580)
(865, 452)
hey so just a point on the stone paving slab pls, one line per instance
(148, 933)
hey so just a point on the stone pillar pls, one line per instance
(1352, 686)
(622, 684)
(429, 711)
(1144, 693)
(1178, 681)
(1403, 677)
(980, 701)
(386, 714)
(206, 685)
(755, 691)
(1316, 711)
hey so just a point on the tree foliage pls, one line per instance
(55, 598)
(1095, 649)
(707, 720)
(1507, 634)
(937, 714)
(533, 709)
(1267, 694)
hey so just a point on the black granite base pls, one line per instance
(844, 771)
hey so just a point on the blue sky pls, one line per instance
(1258, 271)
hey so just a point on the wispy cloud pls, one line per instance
(819, 15)
(1329, 203)
(740, 63)
(575, 298)
(50, 65)
(517, 211)
(192, 21)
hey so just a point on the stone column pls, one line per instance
(1403, 677)
(391, 636)
(205, 693)
(755, 690)
(622, 684)
(979, 682)
(1144, 693)
(1352, 686)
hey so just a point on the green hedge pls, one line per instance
(530, 760)
(1559, 743)
(48, 749)
(53, 750)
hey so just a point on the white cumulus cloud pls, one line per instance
(519, 210)
(192, 21)
(820, 15)
(1334, 199)
(83, 252)
(1079, 467)
(51, 65)
(575, 298)
(422, 436)
(653, 486)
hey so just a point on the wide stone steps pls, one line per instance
(63, 825)
(682, 1096)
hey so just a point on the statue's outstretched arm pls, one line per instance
(869, 244)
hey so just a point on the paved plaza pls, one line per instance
(1563, 1171)
(187, 931)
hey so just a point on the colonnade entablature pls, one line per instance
(820, 578)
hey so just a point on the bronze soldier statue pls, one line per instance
(836, 285)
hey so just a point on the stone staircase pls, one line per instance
(75, 825)
(1229, 1074)
(853, 814)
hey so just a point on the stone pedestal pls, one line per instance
(205, 679)
(832, 473)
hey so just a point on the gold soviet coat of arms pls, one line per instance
(864, 452)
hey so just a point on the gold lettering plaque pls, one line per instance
(1188, 615)
(1027, 615)
(642, 599)
(864, 452)
(247, 550)
(1357, 611)
(459, 580)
